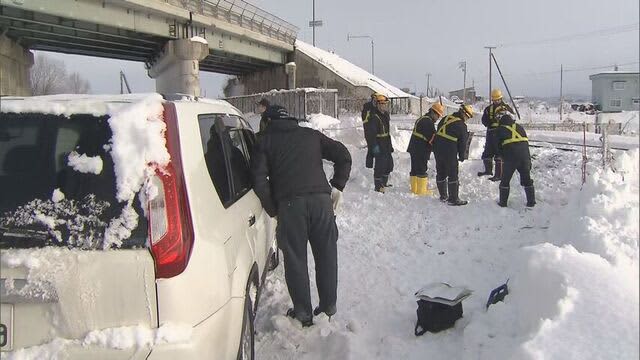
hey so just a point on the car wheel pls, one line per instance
(246, 351)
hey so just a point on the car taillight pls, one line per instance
(170, 228)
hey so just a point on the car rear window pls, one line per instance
(57, 182)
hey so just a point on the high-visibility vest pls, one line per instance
(415, 131)
(366, 118)
(385, 132)
(515, 136)
(443, 129)
(494, 110)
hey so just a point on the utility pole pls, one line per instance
(313, 24)
(349, 37)
(428, 78)
(463, 65)
(561, 98)
(490, 56)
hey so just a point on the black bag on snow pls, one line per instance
(435, 317)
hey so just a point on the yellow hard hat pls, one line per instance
(467, 110)
(381, 99)
(438, 109)
(496, 94)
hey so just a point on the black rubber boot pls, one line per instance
(488, 168)
(378, 185)
(329, 312)
(454, 200)
(385, 181)
(498, 173)
(504, 196)
(306, 322)
(442, 189)
(530, 192)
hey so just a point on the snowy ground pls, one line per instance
(572, 262)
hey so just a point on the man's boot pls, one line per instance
(385, 181)
(442, 189)
(504, 196)
(498, 173)
(378, 185)
(488, 168)
(531, 195)
(454, 200)
(414, 184)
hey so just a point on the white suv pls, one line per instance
(129, 229)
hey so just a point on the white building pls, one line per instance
(616, 90)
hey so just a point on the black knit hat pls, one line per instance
(275, 112)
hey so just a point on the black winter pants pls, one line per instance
(490, 145)
(419, 163)
(446, 166)
(309, 218)
(382, 168)
(524, 169)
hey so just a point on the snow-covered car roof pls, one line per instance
(97, 105)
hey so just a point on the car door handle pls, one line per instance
(252, 220)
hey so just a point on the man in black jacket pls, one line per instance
(290, 181)
(367, 109)
(376, 132)
(513, 147)
(420, 148)
(491, 119)
(263, 105)
(450, 146)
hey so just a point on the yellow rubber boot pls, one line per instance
(414, 184)
(423, 188)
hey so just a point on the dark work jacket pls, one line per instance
(514, 151)
(376, 131)
(492, 113)
(287, 161)
(423, 134)
(264, 121)
(367, 108)
(456, 129)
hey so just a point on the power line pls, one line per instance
(601, 32)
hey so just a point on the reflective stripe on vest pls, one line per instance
(416, 133)
(385, 132)
(366, 118)
(443, 130)
(515, 136)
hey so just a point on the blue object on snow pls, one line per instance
(498, 294)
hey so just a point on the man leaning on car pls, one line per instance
(290, 181)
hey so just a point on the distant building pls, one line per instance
(615, 91)
(460, 94)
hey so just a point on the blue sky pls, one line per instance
(414, 37)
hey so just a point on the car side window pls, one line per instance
(227, 145)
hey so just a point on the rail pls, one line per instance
(242, 13)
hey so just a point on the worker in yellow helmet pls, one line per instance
(376, 132)
(449, 147)
(491, 120)
(420, 149)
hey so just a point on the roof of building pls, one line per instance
(606, 73)
(353, 74)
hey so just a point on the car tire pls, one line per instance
(247, 345)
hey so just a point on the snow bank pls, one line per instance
(128, 337)
(322, 121)
(348, 71)
(572, 262)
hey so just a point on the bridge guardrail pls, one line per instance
(241, 13)
(298, 102)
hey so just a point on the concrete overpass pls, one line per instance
(241, 38)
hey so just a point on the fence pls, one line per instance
(397, 106)
(241, 13)
(299, 102)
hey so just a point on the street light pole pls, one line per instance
(314, 21)
(349, 37)
(428, 78)
(490, 54)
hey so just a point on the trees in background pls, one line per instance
(49, 76)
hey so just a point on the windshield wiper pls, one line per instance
(24, 238)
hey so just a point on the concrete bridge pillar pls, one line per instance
(177, 70)
(15, 63)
